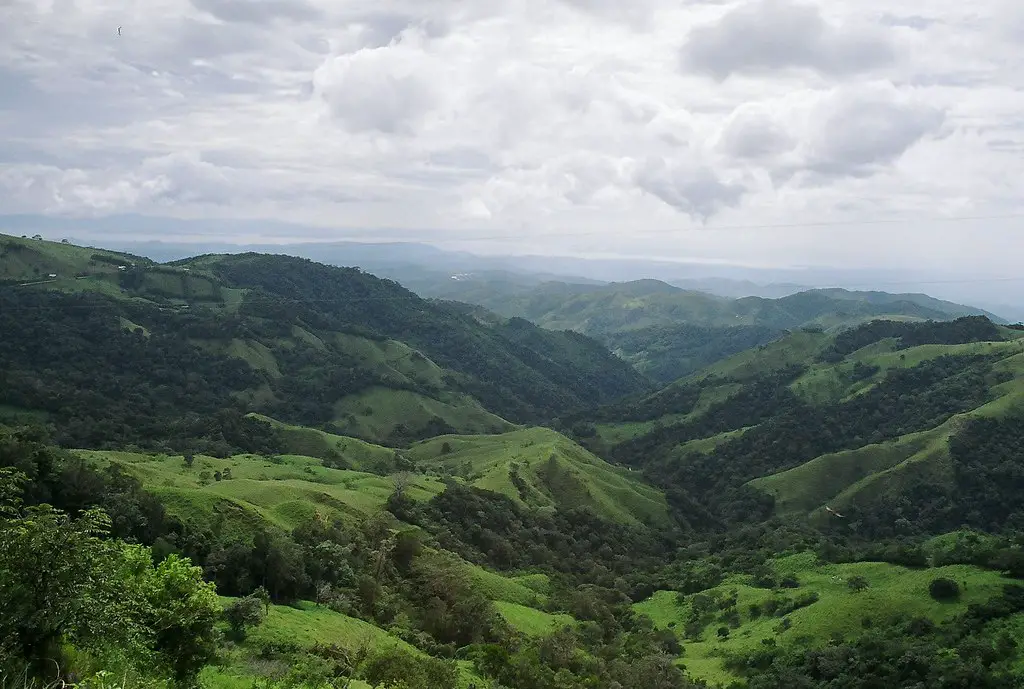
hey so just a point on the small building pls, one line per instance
(52, 275)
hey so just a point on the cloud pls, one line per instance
(850, 131)
(771, 35)
(540, 121)
(859, 129)
(384, 89)
(258, 11)
(695, 190)
(753, 132)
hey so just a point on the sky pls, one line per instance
(763, 132)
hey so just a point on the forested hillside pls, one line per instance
(668, 332)
(259, 471)
(861, 421)
(603, 309)
(149, 355)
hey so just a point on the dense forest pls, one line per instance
(156, 382)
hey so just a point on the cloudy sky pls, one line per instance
(762, 131)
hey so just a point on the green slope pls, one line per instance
(280, 491)
(540, 468)
(306, 343)
(862, 420)
(339, 451)
(306, 626)
(837, 612)
(868, 474)
(640, 304)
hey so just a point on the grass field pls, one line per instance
(305, 625)
(551, 472)
(529, 590)
(376, 413)
(393, 358)
(839, 612)
(357, 454)
(795, 348)
(614, 433)
(32, 259)
(531, 621)
(281, 491)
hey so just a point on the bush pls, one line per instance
(244, 612)
(942, 589)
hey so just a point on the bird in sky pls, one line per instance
(119, 31)
(832, 511)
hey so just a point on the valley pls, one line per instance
(537, 486)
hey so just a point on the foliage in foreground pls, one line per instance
(63, 583)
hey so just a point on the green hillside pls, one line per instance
(860, 421)
(625, 306)
(257, 471)
(821, 609)
(167, 357)
(539, 468)
(247, 491)
(667, 332)
(336, 451)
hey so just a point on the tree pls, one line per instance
(857, 583)
(407, 547)
(392, 667)
(181, 610)
(263, 597)
(243, 613)
(50, 567)
(189, 459)
(64, 580)
(401, 480)
(943, 589)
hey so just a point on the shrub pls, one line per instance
(943, 589)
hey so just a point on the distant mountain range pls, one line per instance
(392, 254)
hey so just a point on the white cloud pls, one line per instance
(768, 35)
(542, 121)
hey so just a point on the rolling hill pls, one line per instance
(668, 332)
(542, 469)
(386, 489)
(881, 422)
(119, 349)
(821, 609)
(616, 307)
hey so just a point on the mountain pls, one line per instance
(307, 343)
(184, 500)
(399, 253)
(601, 310)
(667, 332)
(542, 469)
(885, 422)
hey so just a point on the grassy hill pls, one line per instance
(241, 493)
(861, 420)
(668, 332)
(540, 468)
(374, 462)
(318, 346)
(622, 306)
(822, 609)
